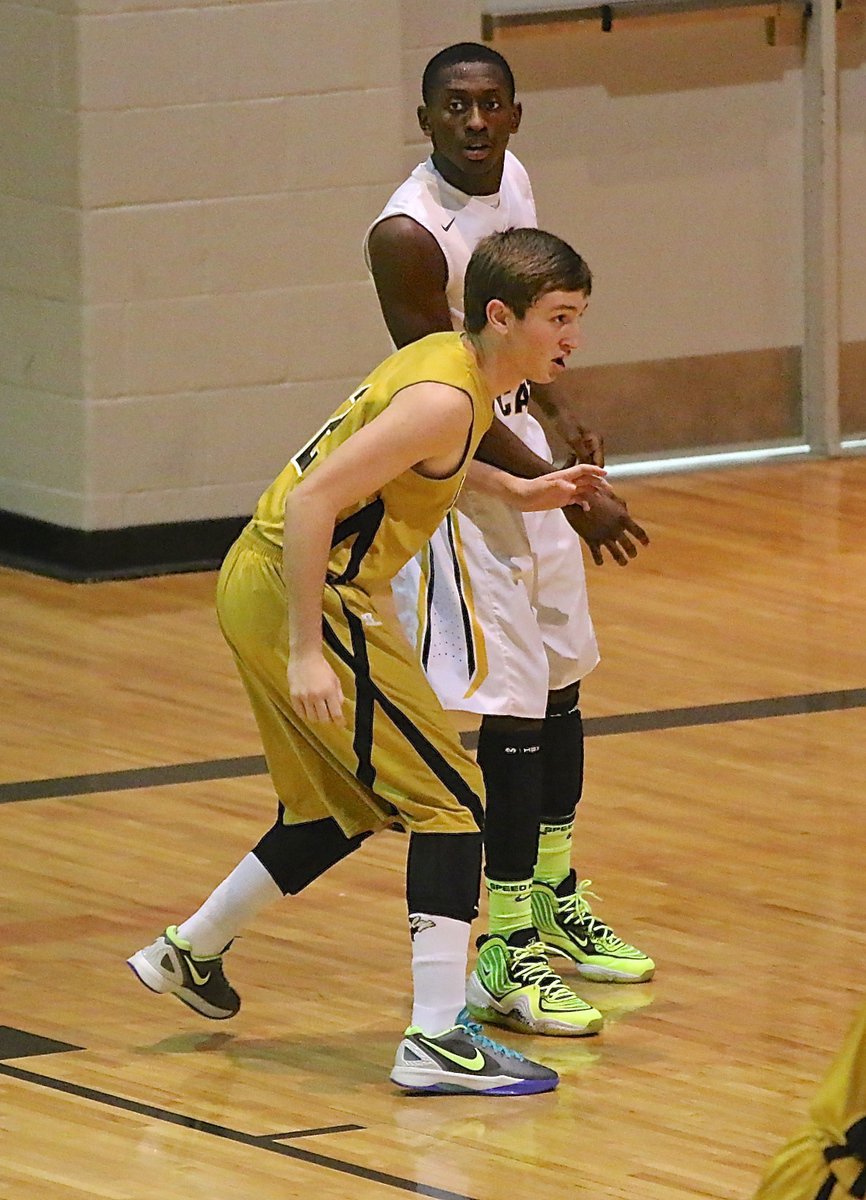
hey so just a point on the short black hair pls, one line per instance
(518, 267)
(463, 52)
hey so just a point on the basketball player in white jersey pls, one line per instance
(497, 604)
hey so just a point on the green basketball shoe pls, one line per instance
(512, 985)
(567, 927)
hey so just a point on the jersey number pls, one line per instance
(307, 453)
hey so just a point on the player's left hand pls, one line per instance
(588, 447)
(607, 525)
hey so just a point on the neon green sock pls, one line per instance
(508, 906)
(554, 852)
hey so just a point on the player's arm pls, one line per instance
(426, 424)
(411, 275)
(553, 490)
(586, 445)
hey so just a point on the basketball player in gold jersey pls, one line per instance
(354, 736)
(827, 1160)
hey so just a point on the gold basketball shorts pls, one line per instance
(397, 759)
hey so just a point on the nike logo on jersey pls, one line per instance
(448, 226)
(469, 1064)
(200, 980)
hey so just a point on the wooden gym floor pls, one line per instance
(722, 825)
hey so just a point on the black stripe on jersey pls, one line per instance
(364, 701)
(364, 525)
(464, 610)
(424, 748)
(854, 1145)
(428, 628)
(825, 1191)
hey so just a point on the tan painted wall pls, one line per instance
(852, 185)
(184, 187)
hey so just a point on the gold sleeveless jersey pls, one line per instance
(375, 537)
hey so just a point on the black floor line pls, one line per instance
(298, 1133)
(268, 1142)
(718, 714)
(135, 777)
(254, 764)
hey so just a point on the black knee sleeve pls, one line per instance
(443, 874)
(511, 761)
(295, 855)
(562, 740)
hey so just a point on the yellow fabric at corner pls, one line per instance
(827, 1159)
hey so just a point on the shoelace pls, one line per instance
(486, 1043)
(530, 964)
(575, 910)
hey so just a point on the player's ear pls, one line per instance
(424, 120)
(516, 117)
(498, 313)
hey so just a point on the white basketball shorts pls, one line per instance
(496, 607)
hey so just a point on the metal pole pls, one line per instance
(820, 367)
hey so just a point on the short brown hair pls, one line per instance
(518, 267)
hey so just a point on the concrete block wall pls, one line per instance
(43, 416)
(184, 186)
(196, 272)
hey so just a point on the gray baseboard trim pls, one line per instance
(88, 556)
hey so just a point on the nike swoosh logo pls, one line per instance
(450, 223)
(201, 980)
(470, 1064)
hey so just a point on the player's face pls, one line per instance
(548, 333)
(469, 120)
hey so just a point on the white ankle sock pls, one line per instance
(440, 946)
(230, 908)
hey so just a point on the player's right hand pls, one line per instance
(607, 525)
(314, 689)
(576, 484)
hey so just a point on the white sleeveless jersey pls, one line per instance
(458, 222)
(496, 606)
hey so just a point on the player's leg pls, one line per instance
(187, 959)
(560, 900)
(466, 607)
(512, 983)
(443, 1050)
